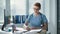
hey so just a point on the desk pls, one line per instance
(23, 31)
(4, 32)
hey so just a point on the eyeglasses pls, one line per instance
(36, 8)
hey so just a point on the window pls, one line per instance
(18, 7)
(2, 7)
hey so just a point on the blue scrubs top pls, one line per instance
(36, 21)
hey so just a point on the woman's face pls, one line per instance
(36, 9)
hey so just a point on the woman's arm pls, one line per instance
(45, 26)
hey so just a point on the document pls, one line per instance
(35, 30)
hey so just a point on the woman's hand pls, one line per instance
(27, 28)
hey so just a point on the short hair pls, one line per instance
(38, 5)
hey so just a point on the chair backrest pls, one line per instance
(24, 17)
(18, 19)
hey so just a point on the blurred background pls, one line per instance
(19, 10)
